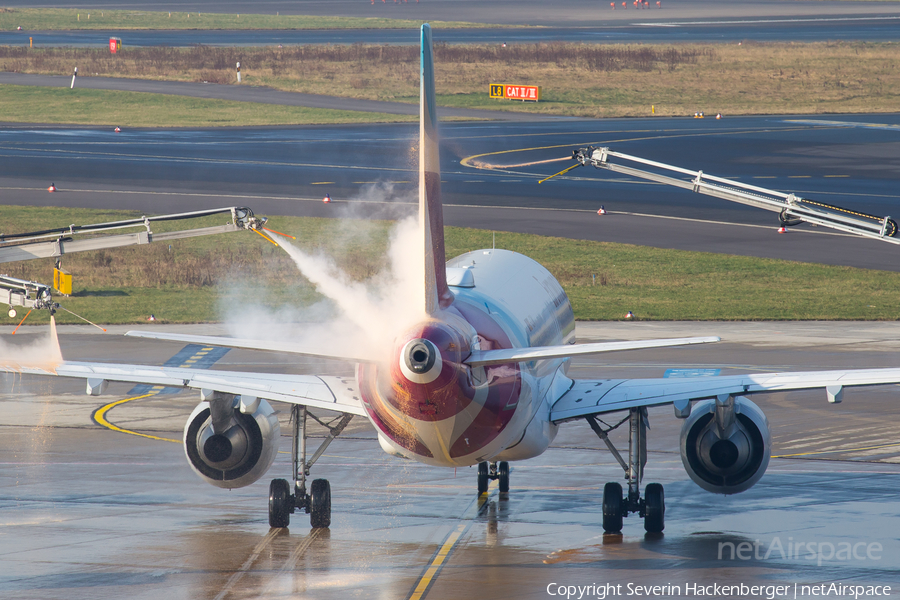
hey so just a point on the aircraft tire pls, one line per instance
(503, 475)
(612, 507)
(482, 477)
(279, 503)
(654, 508)
(320, 504)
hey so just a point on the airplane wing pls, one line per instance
(250, 344)
(498, 357)
(592, 397)
(330, 393)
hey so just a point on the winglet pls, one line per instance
(431, 218)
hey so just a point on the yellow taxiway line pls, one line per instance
(429, 575)
(99, 417)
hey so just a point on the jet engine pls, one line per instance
(241, 446)
(725, 444)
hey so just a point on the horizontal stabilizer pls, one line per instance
(510, 355)
(248, 344)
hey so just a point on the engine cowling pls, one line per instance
(238, 456)
(725, 445)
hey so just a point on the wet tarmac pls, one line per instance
(91, 513)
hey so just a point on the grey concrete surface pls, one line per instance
(368, 171)
(90, 513)
(617, 27)
(567, 13)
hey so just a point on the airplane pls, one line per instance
(480, 379)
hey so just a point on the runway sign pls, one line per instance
(515, 92)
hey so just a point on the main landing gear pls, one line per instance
(652, 507)
(493, 470)
(317, 502)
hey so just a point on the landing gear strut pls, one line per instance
(493, 470)
(652, 506)
(317, 502)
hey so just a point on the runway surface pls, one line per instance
(490, 174)
(92, 513)
(642, 26)
(567, 13)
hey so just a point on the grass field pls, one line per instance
(575, 79)
(188, 282)
(27, 104)
(37, 19)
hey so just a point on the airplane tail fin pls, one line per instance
(431, 218)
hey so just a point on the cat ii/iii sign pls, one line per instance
(515, 92)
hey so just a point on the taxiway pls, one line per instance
(572, 13)
(490, 174)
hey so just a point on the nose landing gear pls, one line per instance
(493, 470)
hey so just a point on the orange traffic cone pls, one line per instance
(52, 187)
(629, 315)
(602, 211)
(782, 230)
(327, 199)
(118, 130)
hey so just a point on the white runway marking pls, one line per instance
(767, 21)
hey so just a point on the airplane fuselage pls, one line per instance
(428, 405)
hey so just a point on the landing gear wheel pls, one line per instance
(280, 503)
(612, 507)
(320, 504)
(482, 477)
(654, 508)
(503, 476)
